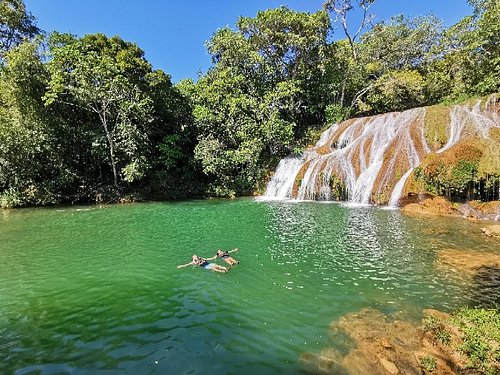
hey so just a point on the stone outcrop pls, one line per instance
(432, 206)
(481, 210)
(385, 159)
(383, 345)
(473, 210)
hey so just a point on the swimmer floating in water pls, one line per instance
(202, 262)
(224, 255)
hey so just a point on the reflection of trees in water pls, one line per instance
(485, 289)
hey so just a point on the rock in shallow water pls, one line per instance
(383, 345)
(438, 206)
(492, 231)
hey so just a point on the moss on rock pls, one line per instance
(436, 122)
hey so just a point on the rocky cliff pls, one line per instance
(453, 151)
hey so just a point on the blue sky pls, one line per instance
(173, 32)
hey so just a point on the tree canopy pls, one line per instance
(16, 25)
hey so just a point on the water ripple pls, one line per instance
(96, 291)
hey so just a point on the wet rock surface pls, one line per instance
(431, 206)
(384, 345)
(481, 210)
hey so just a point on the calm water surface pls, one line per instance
(94, 290)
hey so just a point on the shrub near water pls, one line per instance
(489, 165)
(10, 198)
(451, 173)
(480, 330)
(469, 170)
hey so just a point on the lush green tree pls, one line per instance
(468, 62)
(107, 77)
(279, 45)
(239, 132)
(345, 75)
(174, 172)
(262, 93)
(341, 9)
(448, 76)
(394, 57)
(395, 91)
(485, 47)
(16, 24)
(345, 81)
(401, 43)
(31, 166)
(135, 126)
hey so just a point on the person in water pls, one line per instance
(203, 263)
(224, 255)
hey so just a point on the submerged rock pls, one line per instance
(384, 345)
(467, 261)
(479, 270)
(326, 362)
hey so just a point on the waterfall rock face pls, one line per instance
(370, 159)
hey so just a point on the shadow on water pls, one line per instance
(485, 289)
(182, 333)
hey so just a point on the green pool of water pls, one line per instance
(95, 290)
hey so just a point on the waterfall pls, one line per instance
(397, 193)
(471, 121)
(357, 153)
(280, 185)
(370, 159)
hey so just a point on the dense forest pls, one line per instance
(89, 119)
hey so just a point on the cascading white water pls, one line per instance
(398, 189)
(472, 121)
(373, 156)
(280, 185)
(371, 136)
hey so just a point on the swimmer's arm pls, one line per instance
(212, 258)
(232, 251)
(185, 265)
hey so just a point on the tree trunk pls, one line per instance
(111, 145)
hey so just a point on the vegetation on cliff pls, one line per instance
(468, 170)
(451, 173)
